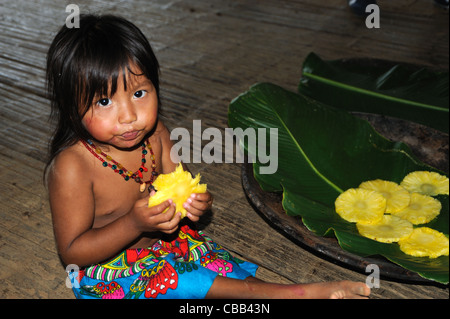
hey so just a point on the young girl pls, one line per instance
(108, 147)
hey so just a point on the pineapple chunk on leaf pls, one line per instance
(397, 197)
(389, 230)
(178, 186)
(425, 242)
(361, 206)
(421, 210)
(427, 183)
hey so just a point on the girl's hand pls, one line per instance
(151, 219)
(197, 204)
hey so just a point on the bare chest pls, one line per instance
(114, 196)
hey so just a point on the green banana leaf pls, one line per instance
(322, 151)
(404, 91)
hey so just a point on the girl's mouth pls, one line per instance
(130, 135)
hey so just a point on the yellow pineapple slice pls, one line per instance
(427, 183)
(424, 242)
(178, 186)
(397, 198)
(421, 209)
(389, 230)
(359, 205)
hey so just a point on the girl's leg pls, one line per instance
(251, 287)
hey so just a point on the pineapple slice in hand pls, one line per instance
(362, 206)
(421, 210)
(397, 197)
(425, 242)
(389, 230)
(427, 183)
(178, 186)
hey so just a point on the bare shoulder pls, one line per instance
(69, 170)
(161, 130)
(162, 137)
(70, 189)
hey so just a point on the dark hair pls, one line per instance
(85, 62)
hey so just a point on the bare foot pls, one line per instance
(336, 290)
(251, 287)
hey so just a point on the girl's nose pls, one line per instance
(127, 113)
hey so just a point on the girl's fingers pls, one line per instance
(172, 225)
(203, 197)
(195, 207)
(200, 201)
(161, 215)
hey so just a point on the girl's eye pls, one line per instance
(139, 94)
(104, 102)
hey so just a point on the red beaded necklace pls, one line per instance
(107, 161)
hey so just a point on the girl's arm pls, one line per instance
(72, 205)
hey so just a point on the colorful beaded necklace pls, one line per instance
(107, 161)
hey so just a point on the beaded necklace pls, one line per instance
(108, 161)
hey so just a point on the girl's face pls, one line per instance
(122, 120)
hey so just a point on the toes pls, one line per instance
(351, 290)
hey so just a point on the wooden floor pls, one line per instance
(209, 51)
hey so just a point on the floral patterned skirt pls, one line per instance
(184, 268)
